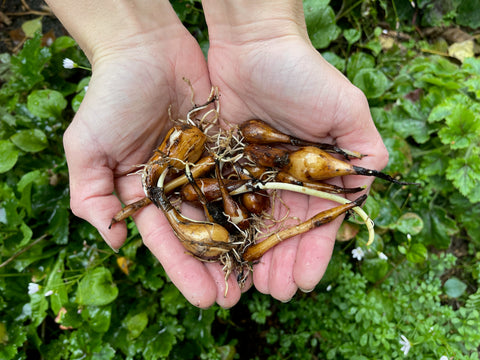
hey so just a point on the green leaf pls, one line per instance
(30, 27)
(32, 140)
(357, 62)
(467, 14)
(8, 155)
(97, 288)
(400, 158)
(454, 287)
(417, 253)
(464, 173)
(352, 35)
(320, 20)
(58, 225)
(97, 317)
(374, 269)
(135, 324)
(372, 82)
(46, 103)
(335, 60)
(462, 130)
(409, 223)
(438, 227)
(27, 67)
(62, 43)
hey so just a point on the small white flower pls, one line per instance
(444, 357)
(358, 253)
(33, 288)
(49, 292)
(85, 88)
(69, 63)
(329, 287)
(409, 237)
(405, 345)
(382, 256)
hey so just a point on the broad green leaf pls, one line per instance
(32, 140)
(98, 317)
(400, 158)
(161, 338)
(97, 288)
(462, 130)
(438, 227)
(320, 20)
(136, 324)
(454, 287)
(357, 62)
(38, 307)
(30, 27)
(46, 103)
(467, 14)
(417, 253)
(374, 269)
(372, 82)
(409, 223)
(464, 173)
(335, 60)
(8, 155)
(352, 35)
(61, 43)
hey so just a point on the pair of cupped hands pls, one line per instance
(264, 68)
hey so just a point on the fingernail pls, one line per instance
(108, 243)
(306, 291)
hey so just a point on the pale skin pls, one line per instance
(265, 67)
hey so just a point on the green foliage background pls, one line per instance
(427, 110)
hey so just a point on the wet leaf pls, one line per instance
(320, 20)
(32, 140)
(97, 288)
(372, 82)
(417, 253)
(46, 103)
(8, 155)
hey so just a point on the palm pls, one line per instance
(295, 89)
(120, 122)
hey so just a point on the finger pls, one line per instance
(281, 281)
(228, 292)
(188, 274)
(316, 246)
(91, 190)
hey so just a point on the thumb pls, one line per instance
(91, 188)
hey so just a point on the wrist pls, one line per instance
(240, 21)
(108, 23)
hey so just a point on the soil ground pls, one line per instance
(13, 13)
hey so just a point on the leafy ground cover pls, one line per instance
(413, 293)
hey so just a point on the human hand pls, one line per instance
(261, 59)
(139, 55)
